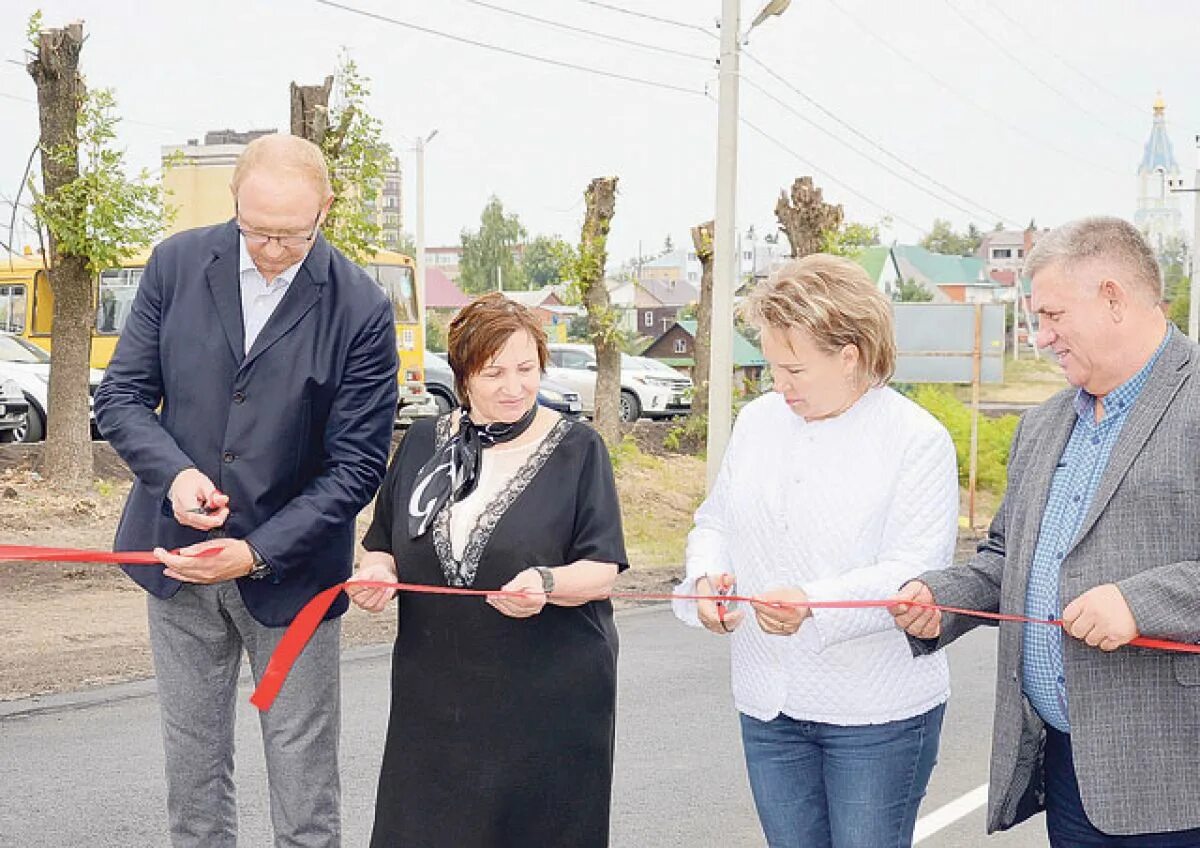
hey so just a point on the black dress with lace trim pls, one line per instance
(501, 729)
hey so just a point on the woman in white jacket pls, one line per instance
(833, 487)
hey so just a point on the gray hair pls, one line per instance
(1101, 238)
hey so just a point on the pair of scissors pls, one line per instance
(723, 607)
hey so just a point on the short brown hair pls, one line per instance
(481, 329)
(834, 301)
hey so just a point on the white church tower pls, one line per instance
(1158, 214)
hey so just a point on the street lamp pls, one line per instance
(420, 257)
(720, 372)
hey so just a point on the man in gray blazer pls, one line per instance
(1100, 526)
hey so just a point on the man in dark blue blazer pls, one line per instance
(253, 393)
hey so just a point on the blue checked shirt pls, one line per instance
(1074, 485)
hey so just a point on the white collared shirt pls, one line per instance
(848, 508)
(260, 296)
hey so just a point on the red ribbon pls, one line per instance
(301, 630)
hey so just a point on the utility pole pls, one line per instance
(725, 259)
(420, 257)
(1194, 287)
(720, 374)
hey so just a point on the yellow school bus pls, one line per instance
(27, 310)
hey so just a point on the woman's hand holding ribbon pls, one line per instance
(527, 604)
(378, 567)
(780, 612)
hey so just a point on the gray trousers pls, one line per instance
(197, 638)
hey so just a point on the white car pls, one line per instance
(646, 391)
(13, 408)
(29, 367)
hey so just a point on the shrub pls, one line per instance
(995, 436)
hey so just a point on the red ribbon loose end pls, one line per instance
(299, 632)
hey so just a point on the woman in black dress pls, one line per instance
(502, 716)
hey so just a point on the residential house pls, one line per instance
(442, 295)
(950, 279)
(554, 314)
(445, 259)
(642, 314)
(677, 348)
(1004, 252)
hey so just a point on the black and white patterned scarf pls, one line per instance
(452, 473)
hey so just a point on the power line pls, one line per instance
(966, 98)
(647, 17)
(872, 142)
(506, 50)
(826, 175)
(1041, 79)
(1047, 48)
(590, 32)
(897, 174)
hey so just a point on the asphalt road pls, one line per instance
(85, 769)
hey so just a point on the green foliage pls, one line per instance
(1180, 304)
(690, 437)
(851, 238)
(942, 239)
(33, 29)
(578, 266)
(488, 252)
(358, 157)
(102, 215)
(624, 452)
(541, 263)
(407, 245)
(435, 332)
(995, 436)
(910, 291)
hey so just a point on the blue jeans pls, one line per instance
(832, 786)
(1067, 824)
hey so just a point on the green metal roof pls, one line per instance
(745, 354)
(873, 259)
(941, 269)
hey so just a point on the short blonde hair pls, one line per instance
(286, 153)
(834, 301)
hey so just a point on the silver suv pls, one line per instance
(646, 390)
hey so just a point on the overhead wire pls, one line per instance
(345, 7)
(591, 33)
(1074, 158)
(866, 138)
(1016, 59)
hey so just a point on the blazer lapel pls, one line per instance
(302, 295)
(1163, 384)
(225, 285)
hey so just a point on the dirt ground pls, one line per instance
(66, 627)
(70, 626)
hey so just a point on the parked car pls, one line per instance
(646, 392)
(29, 366)
(13, 408)
(439, 382)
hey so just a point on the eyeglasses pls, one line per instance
(257, 239)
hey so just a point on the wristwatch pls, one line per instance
(260, 568)
(547, 578)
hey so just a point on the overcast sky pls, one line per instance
(1022, 109)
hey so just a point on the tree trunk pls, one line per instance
(67, 458)
(310, 110)
(601, 200)
(805, 217)
(702, 240)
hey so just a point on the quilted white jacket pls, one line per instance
(845, 508)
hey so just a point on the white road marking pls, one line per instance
(945, 816)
